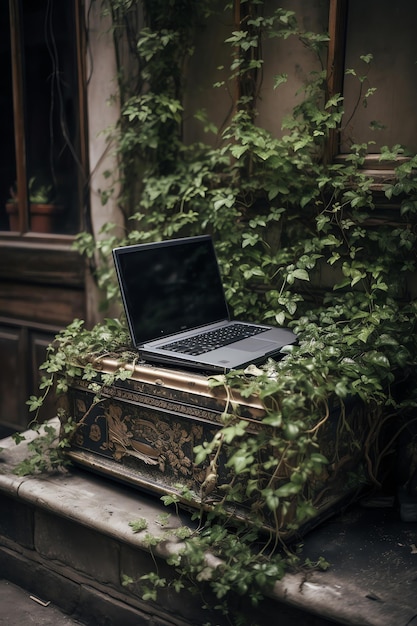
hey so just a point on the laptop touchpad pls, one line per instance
(253, 345)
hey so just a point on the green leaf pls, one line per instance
(18, 438)
(300, 274)
(365, 333)
(138, 525)
(317, 457)
(377, 358)
(291, 431)
(341, 389)
(272, 501)
(280, 79)
(289, 489)
(366, 58)
(240, 461)
(34, 403)
(280, 318)
(237, 151)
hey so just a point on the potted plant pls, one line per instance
(44, 209)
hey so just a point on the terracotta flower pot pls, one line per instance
(43, 217)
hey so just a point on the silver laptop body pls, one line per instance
(173, 296)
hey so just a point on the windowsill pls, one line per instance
(381, 171)
(42, 260)
(30, 237)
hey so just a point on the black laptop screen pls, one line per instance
(170, 287)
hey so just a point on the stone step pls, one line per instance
(66, 539)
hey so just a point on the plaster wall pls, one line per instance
(292, 58)
(103, 108)
(212, 58)
(103, 113)
(209, 65)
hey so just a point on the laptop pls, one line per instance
(177, 313)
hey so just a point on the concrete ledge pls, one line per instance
(70, 532)
(80, 496)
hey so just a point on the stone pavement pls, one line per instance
(18, 607)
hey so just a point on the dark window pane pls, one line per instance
(51, 105)
(7, 145)
(387, 30)
(40, 137)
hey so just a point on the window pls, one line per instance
(385, 30)
(41, 126)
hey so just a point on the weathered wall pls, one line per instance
(211, 53)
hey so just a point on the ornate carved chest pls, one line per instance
(143, 432)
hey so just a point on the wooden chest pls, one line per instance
(143, 432)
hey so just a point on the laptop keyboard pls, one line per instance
(205, 342)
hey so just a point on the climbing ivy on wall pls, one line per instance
(277, 212)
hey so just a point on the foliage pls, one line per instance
(71, 356)
(301, 241)
(276, 210)
(46, 452)
(40, 191)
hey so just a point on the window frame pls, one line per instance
(20, 129)
(381, 172)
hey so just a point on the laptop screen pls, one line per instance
(170, 286)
